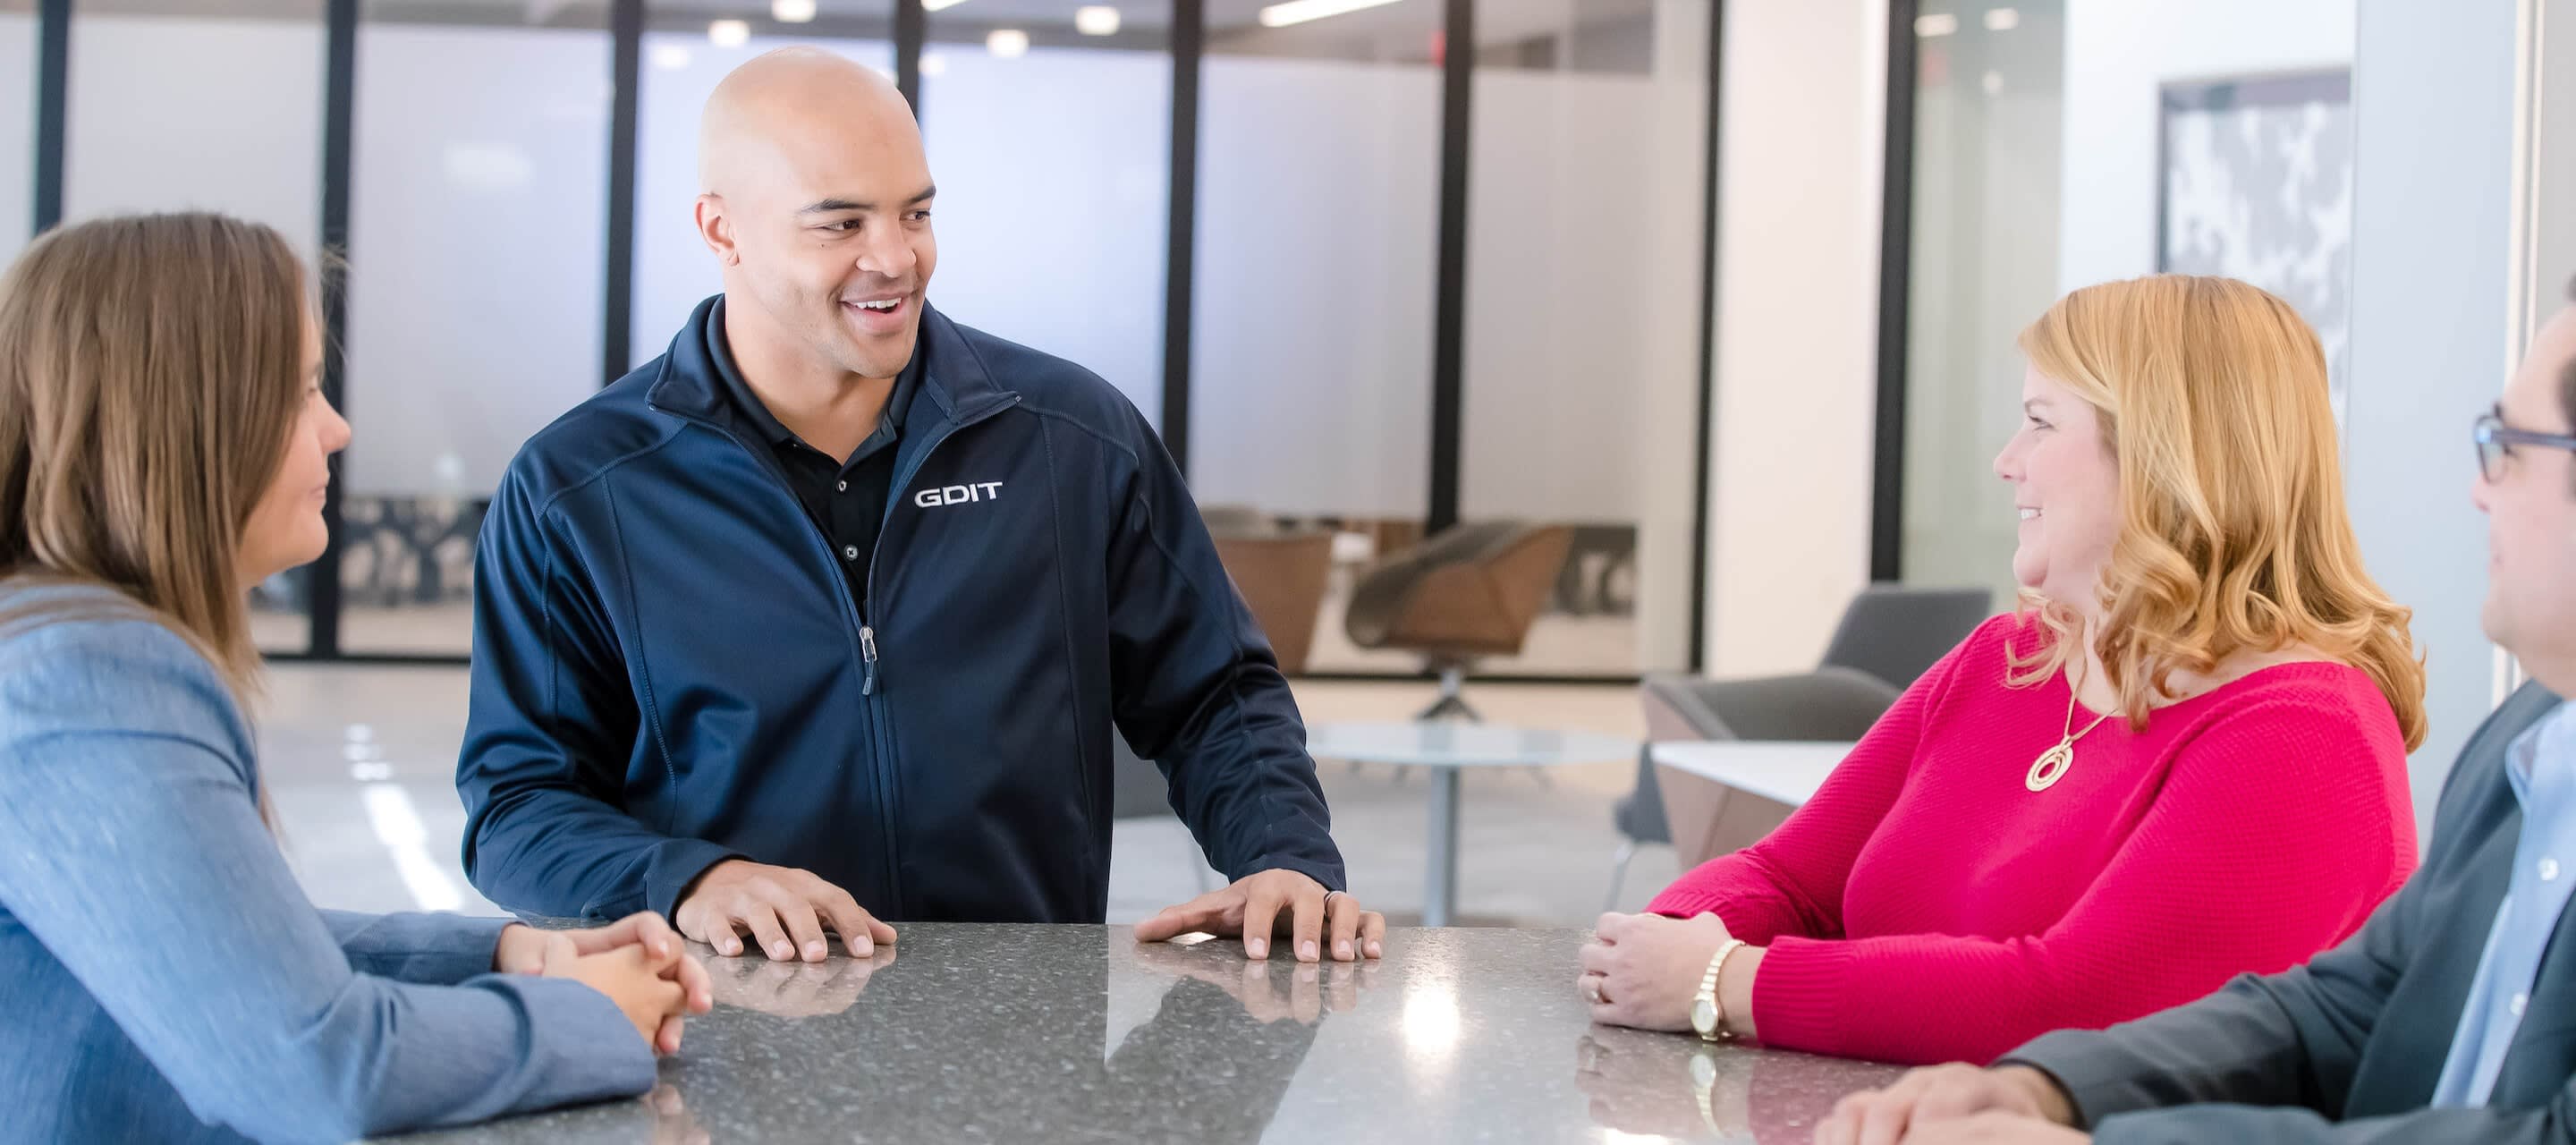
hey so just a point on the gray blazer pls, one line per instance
(2347, 1048)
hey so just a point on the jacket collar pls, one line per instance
(952, 375)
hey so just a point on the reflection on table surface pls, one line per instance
(1077, 1033)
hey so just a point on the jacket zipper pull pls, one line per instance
(868, 650)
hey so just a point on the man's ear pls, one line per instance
(715, 228)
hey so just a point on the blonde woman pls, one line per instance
(164, 447)
(2182, 759)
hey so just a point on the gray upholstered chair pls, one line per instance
(1895, 632)
(1888, 636)
(1467, 594)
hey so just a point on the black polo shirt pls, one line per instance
(846, 501)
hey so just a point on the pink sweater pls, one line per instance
(1925, 906)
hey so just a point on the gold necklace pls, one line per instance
(2053, 764)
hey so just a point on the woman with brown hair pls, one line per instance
(164, 446)
(2184, 758)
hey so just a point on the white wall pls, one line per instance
(1797, 313)
(180, 114)
(2552, 227)
(2433, 259)
(2119, 53)
(17, 132)
(476, 250)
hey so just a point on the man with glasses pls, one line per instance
(2451, 1017)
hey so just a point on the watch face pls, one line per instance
(1704, 1015)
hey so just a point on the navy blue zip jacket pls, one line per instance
(669, 671)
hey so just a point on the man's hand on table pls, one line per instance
(1956, 1105)
(785, 909)
(1259, 907)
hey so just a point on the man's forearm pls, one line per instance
(2235, 1046)
(572, 856)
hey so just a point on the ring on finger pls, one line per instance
(1591, 989)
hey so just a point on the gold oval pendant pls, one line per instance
(2051, 766)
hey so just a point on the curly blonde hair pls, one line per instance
(2233, 531)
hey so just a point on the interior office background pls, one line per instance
(2078, 141)
(479, 241)
(1898, 186)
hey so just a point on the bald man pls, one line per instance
(823, 619)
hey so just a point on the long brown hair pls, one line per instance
(2233, 532)
(151, 371)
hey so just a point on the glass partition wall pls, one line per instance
(1377, 291)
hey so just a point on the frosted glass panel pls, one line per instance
(1583, 316)
(476, 256)
(1054, 173)
(213, 110)
(1318, 196)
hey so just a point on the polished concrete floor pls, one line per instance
(361, 762)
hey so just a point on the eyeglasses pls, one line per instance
(2495, 441)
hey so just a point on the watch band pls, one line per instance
(1708, 991)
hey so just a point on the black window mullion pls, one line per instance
(339, 87)
(911, 28)
(617, 329)
(1449, 314)
(53, 107)
(1180, 234)
(1705, 447)
(1895, 264)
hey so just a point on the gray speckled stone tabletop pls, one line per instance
(1077, 1033)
